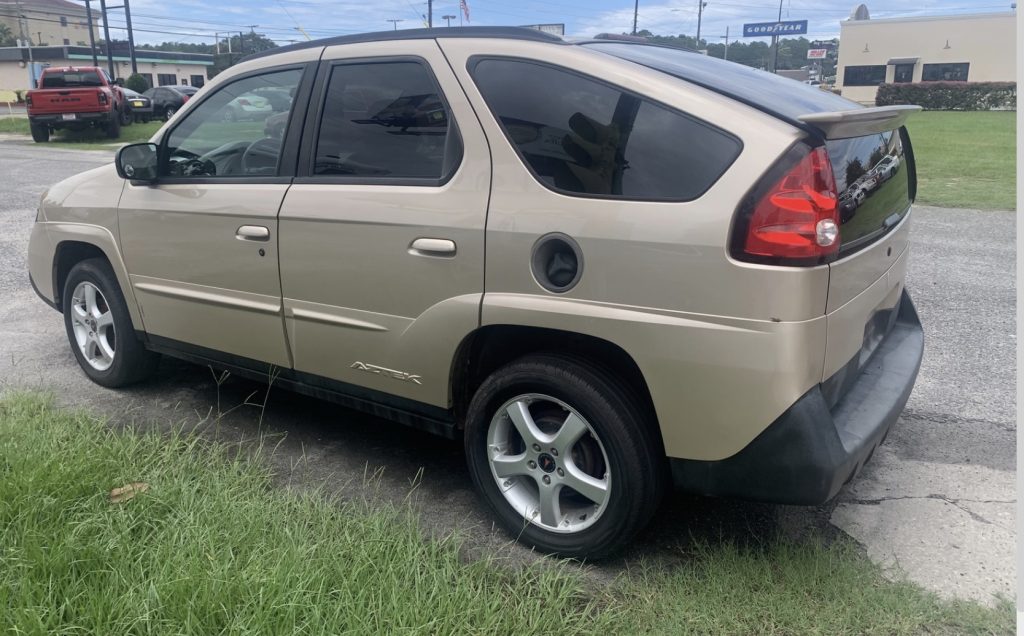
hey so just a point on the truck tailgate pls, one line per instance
(70, 100)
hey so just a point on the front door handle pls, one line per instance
(443, 248)
(252, 233)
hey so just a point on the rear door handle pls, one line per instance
(433, 247)
(252, 233)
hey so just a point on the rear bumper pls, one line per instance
(806, 455)
(56, 119)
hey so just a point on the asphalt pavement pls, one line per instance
(935, 504)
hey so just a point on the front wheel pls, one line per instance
(563, 456)
(100, 329)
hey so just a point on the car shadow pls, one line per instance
(312, 443)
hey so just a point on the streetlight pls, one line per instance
(449, 18)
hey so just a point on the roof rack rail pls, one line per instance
(508, 33)
(621, 37)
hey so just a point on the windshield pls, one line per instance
(71, 79)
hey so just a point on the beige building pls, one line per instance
(973, 48)
(160, 68)
(50, 22)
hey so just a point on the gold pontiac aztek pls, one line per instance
(607, 266)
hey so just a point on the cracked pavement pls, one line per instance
(935, 504)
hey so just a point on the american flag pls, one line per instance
(465, 9)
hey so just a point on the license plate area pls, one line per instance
(69, 116)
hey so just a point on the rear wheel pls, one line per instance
(169, 112)
(563, 456)
(100, 329)
(113, 128)
(40, 133)
(126, 117)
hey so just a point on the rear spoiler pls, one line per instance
(859, 122)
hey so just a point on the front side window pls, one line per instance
(385, 120)
(236, 132)
(945, 72)
(864, 75)
(581, 136)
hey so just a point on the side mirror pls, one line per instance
(119, 81)
(137, 162)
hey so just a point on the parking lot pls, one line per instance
(935, 504)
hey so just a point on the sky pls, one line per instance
(198, 20)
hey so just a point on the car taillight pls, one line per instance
(184, 98)
(244, 102)
(28, 100)
(103, 97)
(795, 219)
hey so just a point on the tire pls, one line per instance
(40, 133)
(127, 118)
(100, 330)
(616, 459)
(230, 116)
(113, 128)
(169, 112)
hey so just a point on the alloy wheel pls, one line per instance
(93, 325)
(549, 463)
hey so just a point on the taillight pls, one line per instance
(795, 219)
(244, 102)
(184, 98)
(28, 100)
(103, 97)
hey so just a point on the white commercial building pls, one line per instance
(970, 48)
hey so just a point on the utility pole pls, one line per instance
(27, 40)
(92, 38)
(394, 22)
(449, 18)
(430, 14)
(726, 36)
(775, 38)
(216, 36)
(106, 37)
(131, 37)
(636, 10)
(700, 11)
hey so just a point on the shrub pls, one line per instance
(20, 93)
(137, 83)
(951, 95)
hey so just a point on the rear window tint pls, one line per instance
(71, 79)
(581, 136)
(780, 95)
(872, 177)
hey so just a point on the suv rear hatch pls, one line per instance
(866, 189)
(69, 92)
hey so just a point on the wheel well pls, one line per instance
(68, 254)
(493, 346)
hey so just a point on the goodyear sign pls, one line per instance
(764, 29)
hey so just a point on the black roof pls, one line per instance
(507, 33)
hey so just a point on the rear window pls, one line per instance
(779, 95)
(583, 137)
(873, 179)
(71, 79)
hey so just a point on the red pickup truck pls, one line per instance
(76, 97)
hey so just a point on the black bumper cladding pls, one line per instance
(807, 454)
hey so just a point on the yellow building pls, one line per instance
(50, 22)
(977, 47)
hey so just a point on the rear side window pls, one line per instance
(386, 120)
(71, 79)
(584, 137)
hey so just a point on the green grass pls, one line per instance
(214, 547)
(965, 159)
(88, 139)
